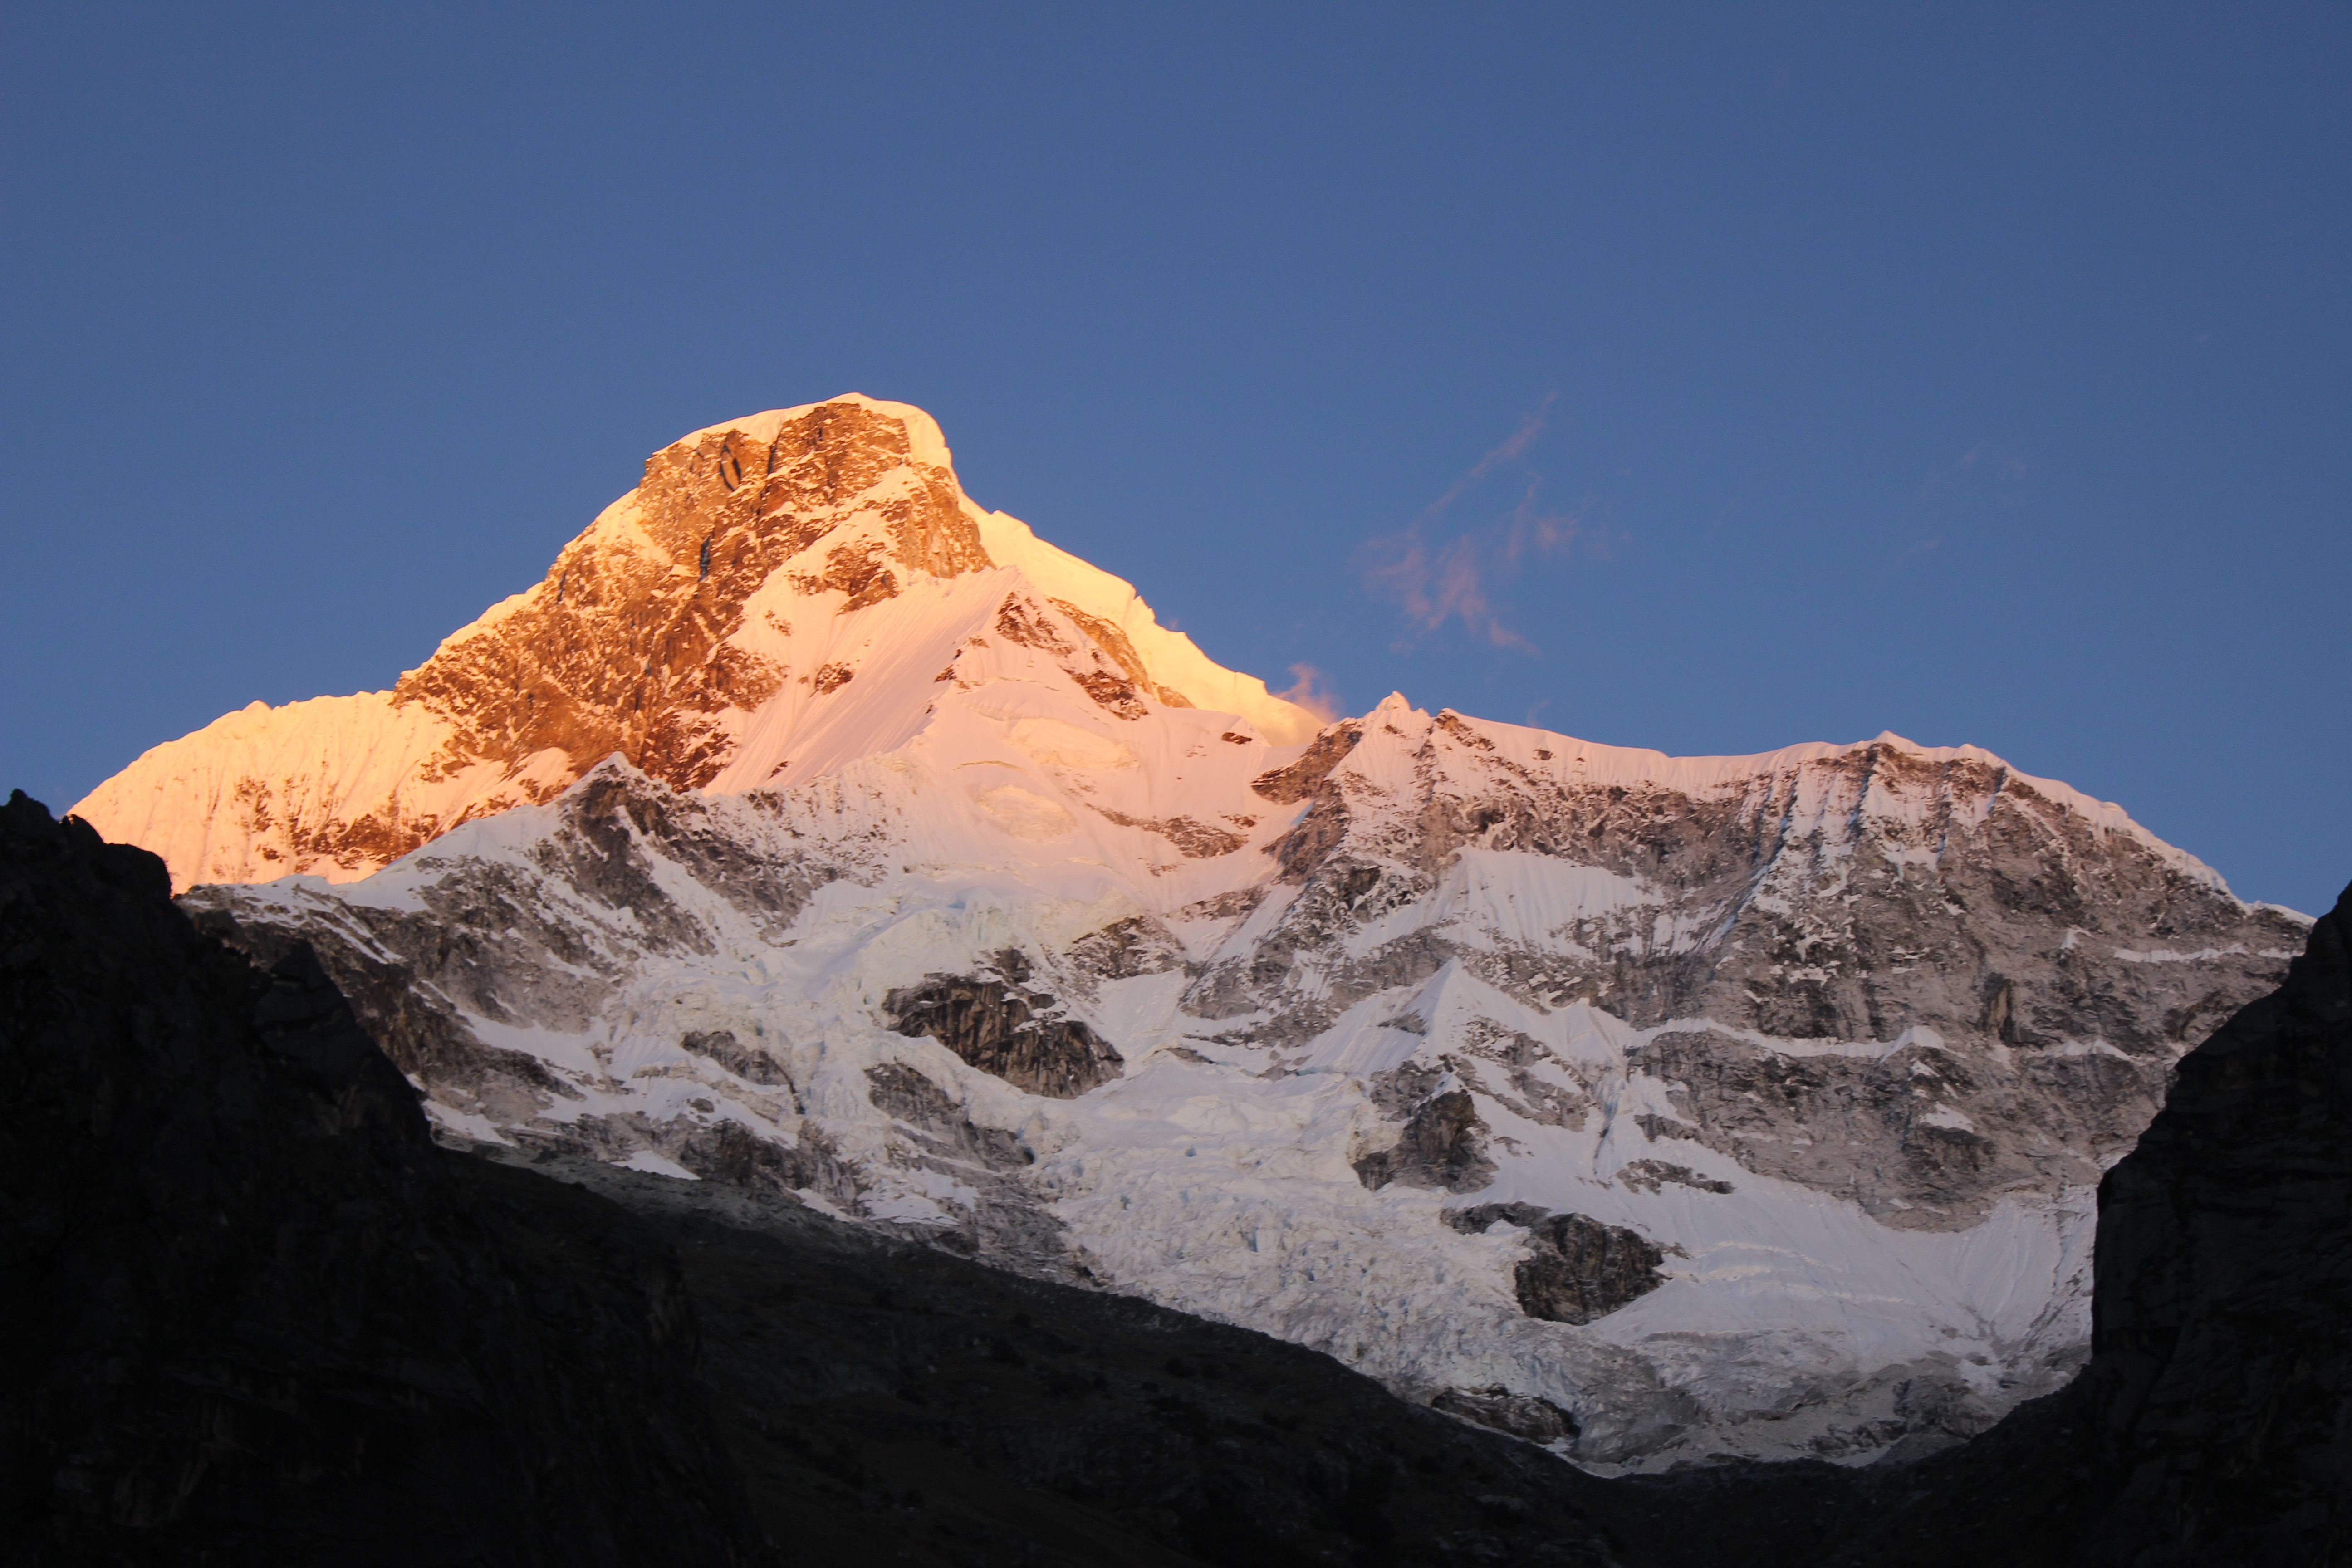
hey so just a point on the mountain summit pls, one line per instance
(703, 628)
(810, 830)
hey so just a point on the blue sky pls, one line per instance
(1705, 378)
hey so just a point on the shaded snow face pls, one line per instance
(1825, 1049)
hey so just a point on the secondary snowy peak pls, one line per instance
(752, 606)
(1885, 772)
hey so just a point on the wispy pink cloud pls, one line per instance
(1312, 690)
(1933, 543)
(1531, 425)
(1987, 469)
(1436, 578)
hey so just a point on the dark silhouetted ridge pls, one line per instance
(250, 1314)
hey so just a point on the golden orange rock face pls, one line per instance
(374, 838)
(1115, 643)
(622, 647)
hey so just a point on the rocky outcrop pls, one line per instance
(1125, 949)
(995, 1023)
(906, 1095)
(1579, 1270)
(1441, 1145)
(721, 1047)
(1301, 779)
(1193, 840)
(1498, 1409)
(1575, 1268)
(1650, 1175)
(254, 1315)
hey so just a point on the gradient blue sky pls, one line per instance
(1706, 378)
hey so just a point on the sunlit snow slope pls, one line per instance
(1659, 1108)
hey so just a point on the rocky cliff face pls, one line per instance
(1917, 981)
(253, 1315)
(2209, 1426)
(995, 1022)
(1735, 1107)
(635, 643)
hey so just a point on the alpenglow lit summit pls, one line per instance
(809, 827)
(704, 629)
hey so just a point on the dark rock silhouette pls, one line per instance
(250, 1313)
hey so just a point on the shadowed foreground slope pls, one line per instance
(889, 1403)
(251, 1314)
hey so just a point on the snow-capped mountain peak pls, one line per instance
(704, 627)
(811, 828)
